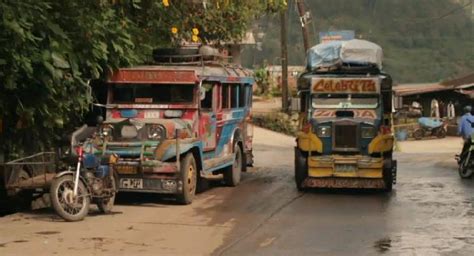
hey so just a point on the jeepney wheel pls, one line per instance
(388, 175)
(64, 203)
(301, 169)
(105, 205)
(233, 174)
(188, 178)
(418, 134)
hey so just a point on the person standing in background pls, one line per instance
(451, 113)
(442, 109)
(434, 108)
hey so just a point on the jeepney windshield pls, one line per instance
(152, 93)
(344, 100)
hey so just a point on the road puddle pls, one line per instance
(383, 245)
(48, 232)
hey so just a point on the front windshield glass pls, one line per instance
(152, 93)
(326, 100)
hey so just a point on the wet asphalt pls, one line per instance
(429, 212)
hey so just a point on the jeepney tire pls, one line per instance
(189, 178)
(301, 169)
(233, 173)
(105, 205)
(388, 177)
(53, 191)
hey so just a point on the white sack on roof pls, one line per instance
(361, 52)
(358, 52)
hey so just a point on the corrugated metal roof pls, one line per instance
(464, 80)
(412, 89)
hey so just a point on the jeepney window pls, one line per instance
(225, 96)
(234, 96)
(249, 95)
(206, 103)
(242, 96)
(152, 93)
(344, 100)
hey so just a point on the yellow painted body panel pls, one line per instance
(309, 142)
(364, 166)
(381, 143)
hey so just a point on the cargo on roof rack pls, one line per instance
(187, 56)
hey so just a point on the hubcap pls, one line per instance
(70, 204)
(191, 178)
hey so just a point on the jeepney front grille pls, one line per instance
(345, 137)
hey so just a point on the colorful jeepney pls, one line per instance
(345, 138)
(171, 126)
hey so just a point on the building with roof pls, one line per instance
(459, 91)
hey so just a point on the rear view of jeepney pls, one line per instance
(345, 138)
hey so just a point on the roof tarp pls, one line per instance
(357, 52)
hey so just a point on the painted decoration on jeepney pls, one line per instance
(345, 85)
(358, 113)
(153, 76)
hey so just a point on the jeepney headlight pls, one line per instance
(323, 131)
(367, 132)
(156, 132)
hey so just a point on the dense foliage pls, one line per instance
(50, 49)
(423, 40)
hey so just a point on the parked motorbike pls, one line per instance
(466, 161)
(430, 127)
(73, 191)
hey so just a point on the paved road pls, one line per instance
(430, 212)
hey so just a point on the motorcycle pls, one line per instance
(73, 191)
(466, 161)
(430, 127)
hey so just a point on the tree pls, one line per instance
(50, 49)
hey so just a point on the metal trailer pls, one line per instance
(33, 172)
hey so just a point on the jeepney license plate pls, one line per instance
(345, 168)
(131, 183)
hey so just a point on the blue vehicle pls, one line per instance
(430, 127)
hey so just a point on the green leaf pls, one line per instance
(59, 61)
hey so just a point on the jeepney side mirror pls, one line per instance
(202, 93)
(99, 119)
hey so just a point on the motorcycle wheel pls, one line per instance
(465, 171)
(418, 134)
(441, 133)
(65, 205)
(105, 205)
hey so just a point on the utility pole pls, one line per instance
(304, 18)
(284, 59)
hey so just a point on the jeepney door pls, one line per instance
(207, 118)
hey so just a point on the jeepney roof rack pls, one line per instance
(346, 68)
(188, 56)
